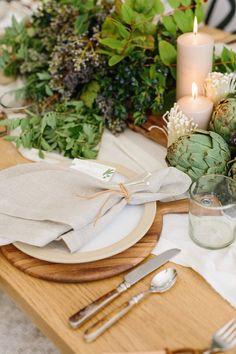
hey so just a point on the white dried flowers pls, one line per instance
(177, 124)
(218, 85)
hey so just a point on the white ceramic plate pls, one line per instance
(130, 225)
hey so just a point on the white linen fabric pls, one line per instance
(40, 203)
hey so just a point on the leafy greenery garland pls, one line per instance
(70, 129)
(90, 62)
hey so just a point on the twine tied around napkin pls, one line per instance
(39, 202)
(123, 191)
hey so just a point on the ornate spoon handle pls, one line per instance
(107, 321)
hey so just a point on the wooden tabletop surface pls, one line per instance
(186, 316)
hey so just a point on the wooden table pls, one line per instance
(185, 316)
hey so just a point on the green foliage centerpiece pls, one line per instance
(90, 63)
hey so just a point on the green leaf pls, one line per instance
(128, 15)
(43, 124)
(226, 62)
(10, 138)
(169, 24)
(51, 119)
(45, 145)
(184, 20)
(27, 140)
(113, 43)
(123, 31)
(77, 105)
(115, 59)
(199, 13)
(81, 5)
(15, 25)
(152, 72)
(148, 8)
(109, 28)
(144, 42)
(11, 123)
(48, 90)
(4, 58)
(225, 55)
(129, 49)
(31, 32)
(145, 27)
(21, 53)
(84, 5)
(24, 123)
(90, 93)
(44, 76)
(41, 154)
(81, 24)
(158, 7)
(186, 2)
(142, 5)
(89, 154)
(102, 51)
(70, 143)
(167, 52)
(88, 130)
(174, 3)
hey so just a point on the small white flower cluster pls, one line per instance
(218, 85)
(177, 124)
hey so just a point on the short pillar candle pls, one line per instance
(199, 108)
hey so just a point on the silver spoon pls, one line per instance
(162, 282)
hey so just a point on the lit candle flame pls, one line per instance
(194, 90)
(195, 25)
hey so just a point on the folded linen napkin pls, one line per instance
(40, 203)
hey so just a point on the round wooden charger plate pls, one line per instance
(83, 272)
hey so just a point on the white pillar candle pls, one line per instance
(194, 60)
(199, 108)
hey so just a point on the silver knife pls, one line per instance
(130, 279)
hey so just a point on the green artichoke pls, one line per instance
(199, 153)
(223, 122)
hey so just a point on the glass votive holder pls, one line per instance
(212, 211)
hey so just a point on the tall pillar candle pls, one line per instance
(194, 61)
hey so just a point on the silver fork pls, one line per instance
(223, 339)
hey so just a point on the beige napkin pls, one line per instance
(40, 203)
